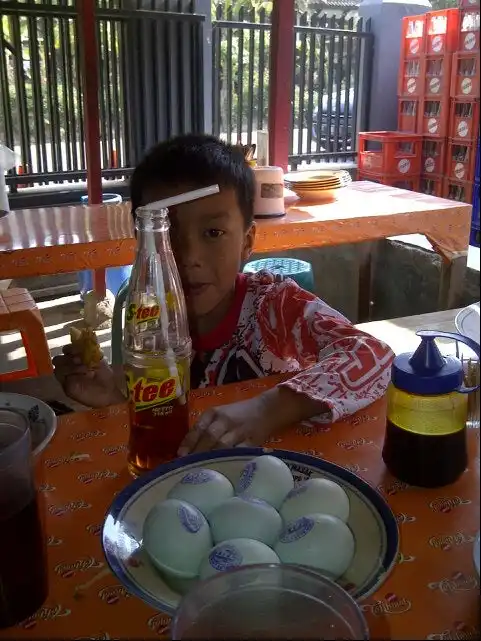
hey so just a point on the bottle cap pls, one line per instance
(427, 372)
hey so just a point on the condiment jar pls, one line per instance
(425, 441)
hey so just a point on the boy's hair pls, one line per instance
(198, 160)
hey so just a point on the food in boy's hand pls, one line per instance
(86, 341)
(267, 478)
(176, 536)
(321, 541)
(316, 496)
(206, 489)
(245, 518)
(235, 553)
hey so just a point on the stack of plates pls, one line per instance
(317, 185)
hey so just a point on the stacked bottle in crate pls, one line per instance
(463, 128)
(441, 41)
(411, 73)
(391, 158)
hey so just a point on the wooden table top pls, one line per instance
(432, 593)
(65, 239)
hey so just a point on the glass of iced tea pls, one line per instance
(23, 556)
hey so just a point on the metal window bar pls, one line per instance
(139, 95)
(331, 72)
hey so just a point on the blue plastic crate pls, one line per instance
(475, 219)
(477, 166)
(474, 237)
(475, 222)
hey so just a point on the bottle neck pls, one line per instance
(152, 230)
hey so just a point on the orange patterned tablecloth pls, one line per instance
(66, 239)
(431, 594)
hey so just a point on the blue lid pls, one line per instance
(427, 372)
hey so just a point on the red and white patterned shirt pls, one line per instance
(274, 327)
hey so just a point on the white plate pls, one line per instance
(40, 416)
(371, 521)
(467, 322)
(476, 552)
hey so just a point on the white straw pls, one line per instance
(183, 198)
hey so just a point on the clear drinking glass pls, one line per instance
(23, 568)
(269, 602)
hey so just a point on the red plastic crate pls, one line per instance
(410, 183)
(431, 185)
(434, 117)
(413, 35)
(469, 30)
(459, 190)
(460, 160)
(464, 120)
(408, 115)
(442, 31)
(437, 76)
(465, 75)
(433, 156)
(411, 77)
(390, 153)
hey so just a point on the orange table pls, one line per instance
(66, 239)
(432, 592)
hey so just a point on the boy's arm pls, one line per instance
(349, 370)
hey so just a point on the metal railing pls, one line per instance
(150, 61)
(331, 88)
(330, 85)
(240, 73)
(152, 78)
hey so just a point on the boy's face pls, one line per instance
(210, 241)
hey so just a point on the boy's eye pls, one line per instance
(214, 233)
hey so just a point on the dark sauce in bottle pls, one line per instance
(425, 460)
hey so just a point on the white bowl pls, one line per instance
(371, 521)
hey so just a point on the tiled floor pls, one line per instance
(58, 316)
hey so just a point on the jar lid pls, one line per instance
(427, 372)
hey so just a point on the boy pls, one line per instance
(242, 326)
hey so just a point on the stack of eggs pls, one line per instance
(205, 527)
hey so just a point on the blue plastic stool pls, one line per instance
(114, 276)
(298, 270)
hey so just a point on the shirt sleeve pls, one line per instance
(342, 367)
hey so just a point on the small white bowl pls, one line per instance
(176, 536)
(245, 518)
(235, 553)
(267, 478)
(319, 541)
(206, 489)
(316, 496)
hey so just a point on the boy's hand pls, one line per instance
(94, 386)
(227, 426)
(250, 422)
